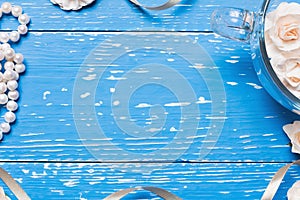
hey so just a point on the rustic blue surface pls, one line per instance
(52, 158)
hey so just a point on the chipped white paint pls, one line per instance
(179, 104)
(254, 85)
(232, 83)
(45, 94)
(85, 95)
(143, 105)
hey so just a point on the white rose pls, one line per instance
(282, 29)
(293, 132)
(294, 192)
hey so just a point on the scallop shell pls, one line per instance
(72, 4)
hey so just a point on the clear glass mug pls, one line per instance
(248, 26)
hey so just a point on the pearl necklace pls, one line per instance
(11, 65)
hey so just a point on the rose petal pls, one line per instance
(294, 192)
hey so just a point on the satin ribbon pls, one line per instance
(13, 186)
(158, 191)
(276, 181)
(164, 6)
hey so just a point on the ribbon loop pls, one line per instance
(276, 181)
(164, 6)
(13, 185)
(158, 191)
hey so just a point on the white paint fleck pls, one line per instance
(112, 90)
(232, 61)
(116, 71)
(113, 78)
(143, 105)
(170, 59)
(173, 129)
(91, 70)
(179, 104)
(98, 103)
(232, 83)
(156, 78)
(49, 104)
(90, 77)
(153, 130)
(116, 103)
(71, 183)
(270, 117)
(258, 87)
(85, 95)
(46, 93)
(244, 136)
(202, 100)
(64, 89)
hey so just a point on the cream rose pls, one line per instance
(282, 30)
(282, 37)
(294, 192)
(288, 71)
(293, 132)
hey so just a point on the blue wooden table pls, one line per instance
(115, 96)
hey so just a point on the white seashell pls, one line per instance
(72, 4)
(293, 132)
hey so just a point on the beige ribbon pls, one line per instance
(13, 186)
(158, 191)
(164, 6)
(276, 181)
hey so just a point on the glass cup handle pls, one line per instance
(233, 23)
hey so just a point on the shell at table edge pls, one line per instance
(72, 4)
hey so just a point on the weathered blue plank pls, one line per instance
(112, 15)
(45, 129)
(189, 181)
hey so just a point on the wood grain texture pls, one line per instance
(45, 129)
(121, 15)
(189, 181)
(49, 154)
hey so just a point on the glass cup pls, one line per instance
(248, 26)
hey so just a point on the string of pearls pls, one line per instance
(11, 65)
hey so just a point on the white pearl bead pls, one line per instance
(4, 37)
(0, 13)
(16, 11)
(9, 65)
(3, 99)
(12, 85)
(1, 76)
(12, 105)
(22, 29)
(1, 56)
(20, 68)
(13, 95)
(16, 76)
(6, 7)
(1, 135)
(5, 127)
(19, 58)
(5, 46)
(9, 54)
(9, 75)
(24, 19)
(14, 36)
(3, 87)
(9, 117)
